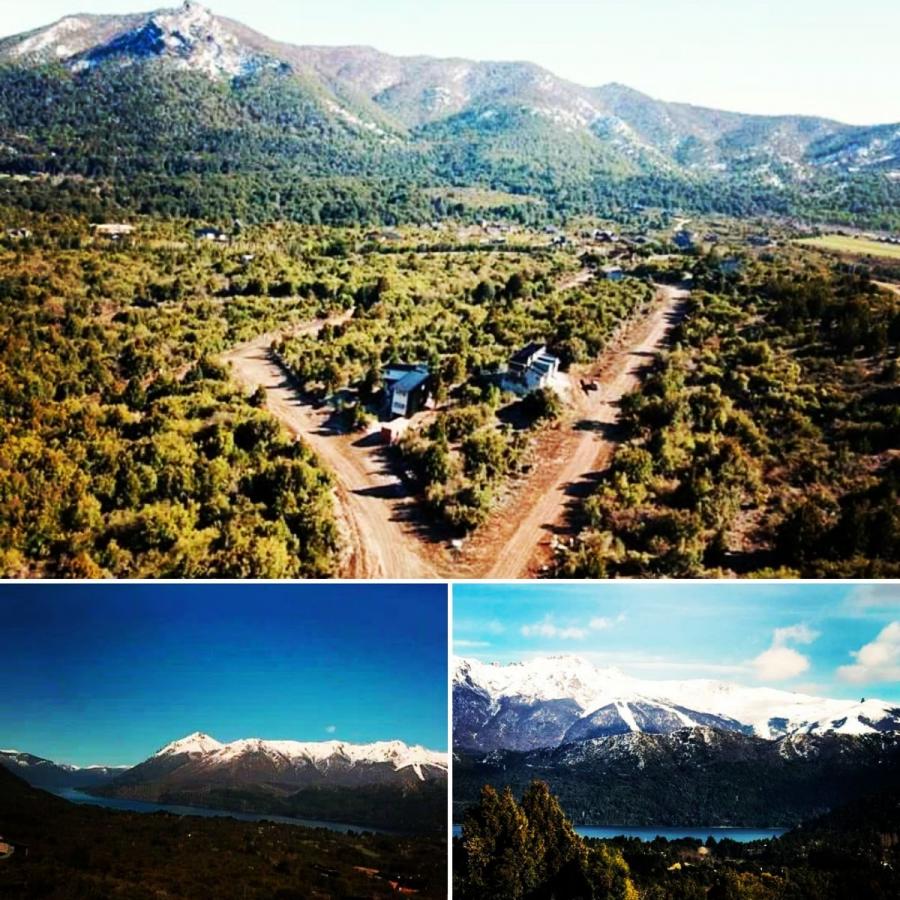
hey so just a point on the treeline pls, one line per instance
(764, 441)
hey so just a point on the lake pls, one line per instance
(743, 835)
(144, 807)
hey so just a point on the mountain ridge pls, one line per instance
(551, 701)
(413, 90)
(135, 109)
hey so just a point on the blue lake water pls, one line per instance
(743, 835)
(141, 806)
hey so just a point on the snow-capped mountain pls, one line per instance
(41, 772)
(551, 701)
(326, 757)
(386, 783)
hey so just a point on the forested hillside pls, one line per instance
(184, 113)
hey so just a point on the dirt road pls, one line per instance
(377, 513)
(370, 501)
(515, 542)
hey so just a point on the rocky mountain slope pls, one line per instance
(145, 99)
(552, 701)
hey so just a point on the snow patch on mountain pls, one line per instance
(190, 38)
(193, 743)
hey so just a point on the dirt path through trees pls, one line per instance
(370, 500)
(516, 540)
(377, 512)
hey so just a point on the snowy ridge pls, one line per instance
(320, 754)
(193, 743)
(766, 712)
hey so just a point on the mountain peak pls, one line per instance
(189, 37)
(198, 742)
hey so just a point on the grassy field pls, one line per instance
(856, 246)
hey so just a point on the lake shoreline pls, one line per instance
(647, 833)
(73, 795)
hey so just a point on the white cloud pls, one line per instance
(796, 634)
(471, 644)
(878, 660)
(779, 664)
(330, 729)
(547, 628)
(601, 623)
(874, 599)
(780, 661)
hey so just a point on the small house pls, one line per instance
(115, 231)
(213, 235)
(684, 239)
(530, 369)
(406, 387)
(612, 273)
(18, 234)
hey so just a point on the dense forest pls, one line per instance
(765, 442)
(63, 850)
(710, 778)
(509, 851)
(125, 449)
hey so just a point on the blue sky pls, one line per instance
(834, 640)
(819, 57)
(110, 673)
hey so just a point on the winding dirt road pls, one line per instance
(377, 513)
(370, 501)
